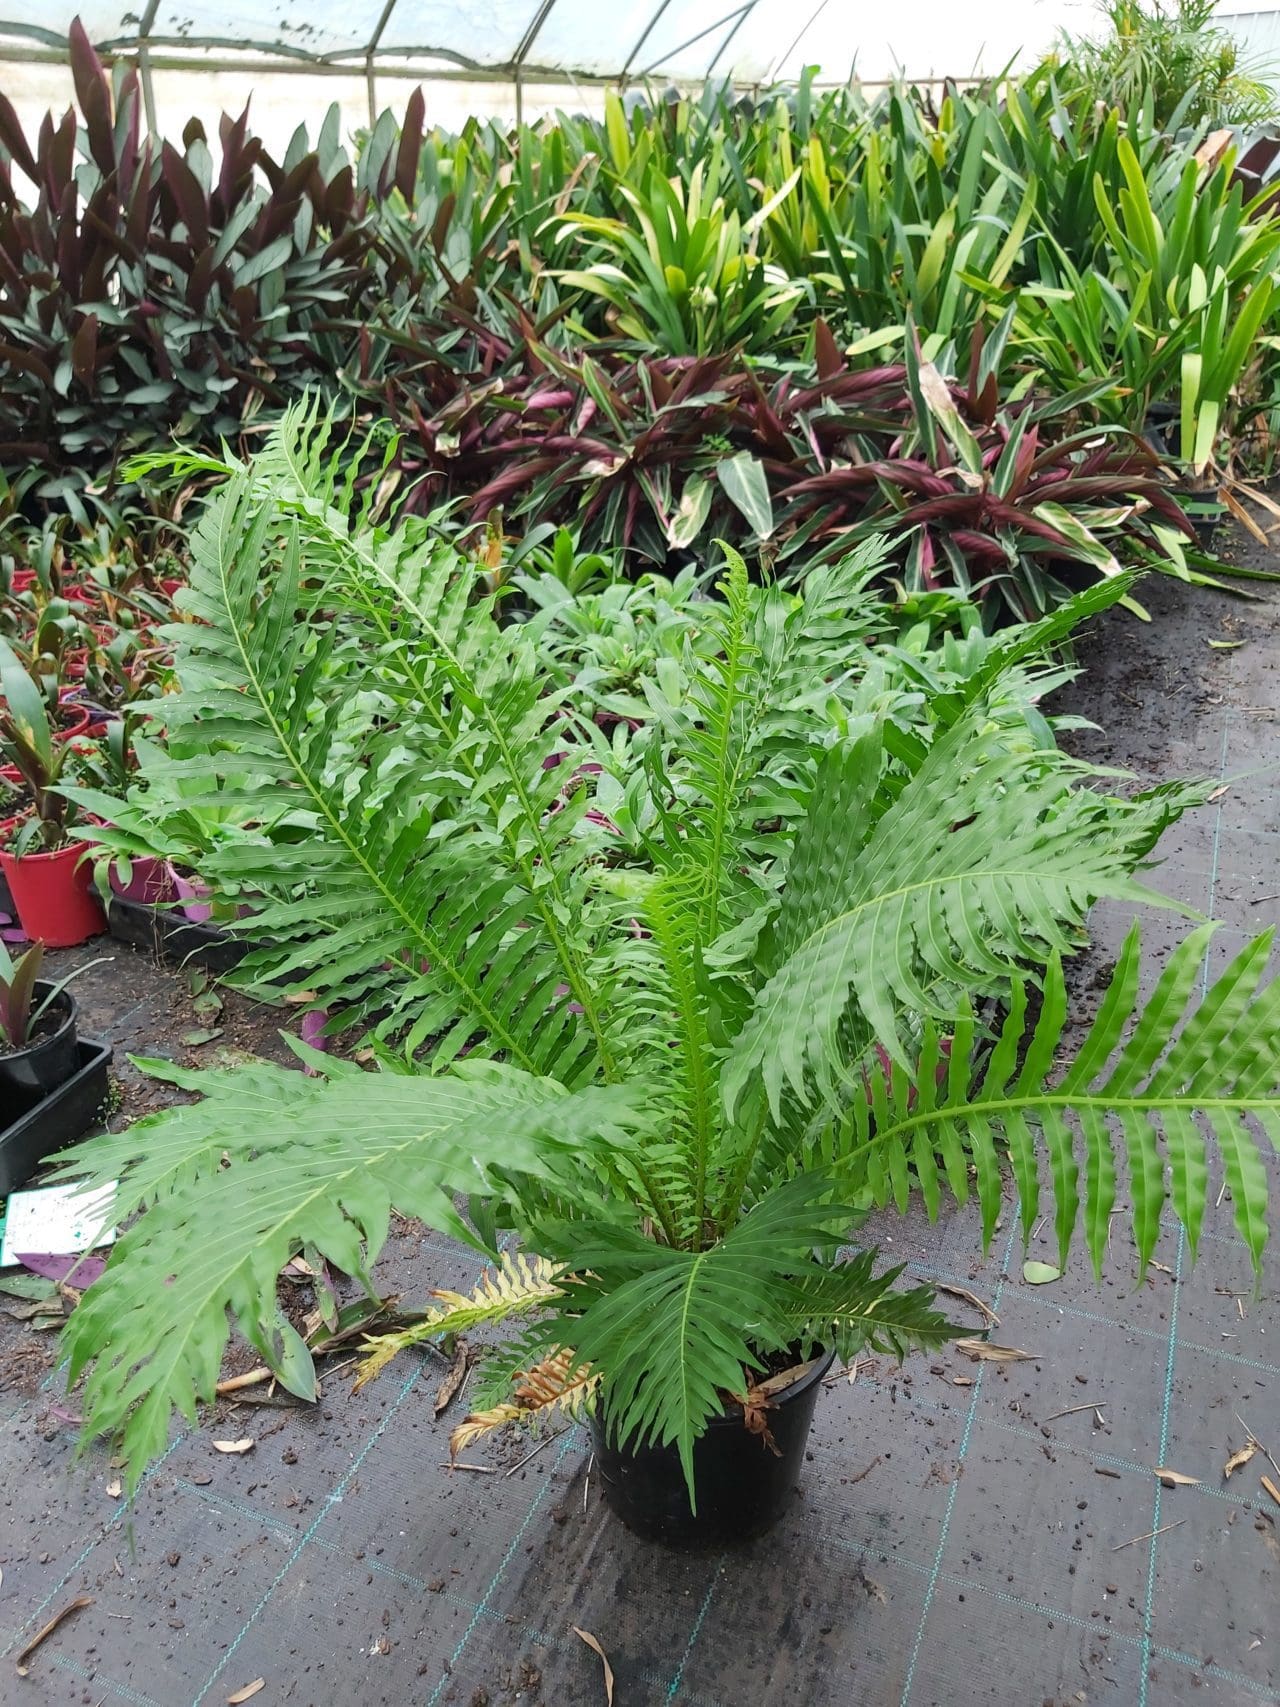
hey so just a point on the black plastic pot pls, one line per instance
(743, 1487)
(167, 932)
(49, 1059)
(51, 1122)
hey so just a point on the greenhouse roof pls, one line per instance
(750, 41)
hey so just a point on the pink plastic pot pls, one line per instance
(191, 891)
(151, 881)
(54, 896)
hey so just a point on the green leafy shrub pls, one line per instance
(1167, 59)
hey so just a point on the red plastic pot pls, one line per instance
(171, 586)
(23, 580)
(74, 719)
(54, 895)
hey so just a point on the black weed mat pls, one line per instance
(965, 1531)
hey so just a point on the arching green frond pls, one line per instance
(851, 1307)
(987, 860)
(1149, 1084)
(318, 1162)
(387, 758)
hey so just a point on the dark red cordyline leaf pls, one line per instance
(14, 139)
(93, 92)
(58, 157)
(188, 197)
(410, 149)
(84, 352)
(827, 355)
(1012, 517)
(497, 490)
(28, 361)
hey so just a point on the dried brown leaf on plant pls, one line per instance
(553, 1384)
(594, 1644)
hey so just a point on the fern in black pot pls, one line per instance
(673, 1007)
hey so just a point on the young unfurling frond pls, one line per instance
(518, 1283)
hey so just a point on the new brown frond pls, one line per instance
(557, 1383)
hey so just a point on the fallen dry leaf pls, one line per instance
(985, 1351)
(447, 1392)
(1242, 515)
(1217, 793)
(244, 1694)
(1238, 1460)
(962, 1380)
(1175, 1479)
(1271, 1488)
(46, 1630)
(594, 1645)
(113, 1489)
(233, 1445)
(968, 1297)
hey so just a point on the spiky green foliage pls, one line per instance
(695, 1039)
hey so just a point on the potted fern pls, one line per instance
(675, 1058)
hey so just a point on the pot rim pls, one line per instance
(77, 848)
(732, 1417)
(52, 1038)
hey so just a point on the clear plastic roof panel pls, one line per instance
(751, 41)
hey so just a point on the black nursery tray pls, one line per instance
(52, 1122)
(166, 932)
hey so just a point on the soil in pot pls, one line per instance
(744, 1483)
(49, 1056)
(54, 897)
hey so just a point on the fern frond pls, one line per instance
(1145, 1083)
(850, 1306)
(317, 1162)
(424, 860)
(519, 1283)
(672, 1330)
(558, 1384)
(988, 859)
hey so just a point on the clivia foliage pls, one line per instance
(674, 1052)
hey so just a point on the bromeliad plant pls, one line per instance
(675, 1061)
